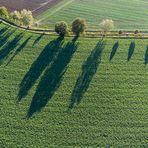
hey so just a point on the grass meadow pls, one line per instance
(59, 93)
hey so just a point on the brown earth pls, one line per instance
(36, 6)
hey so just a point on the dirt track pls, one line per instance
(36, 6)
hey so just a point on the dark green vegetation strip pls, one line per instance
(57, 93)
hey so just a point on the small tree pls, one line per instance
(107, 25)
(120, 32)
(61, 28)
(27, 17)
(4, 12)
(136, 32)
(78, 26)
(15, 16)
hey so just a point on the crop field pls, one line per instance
(53, 93)
(127, 14)
(36, 6)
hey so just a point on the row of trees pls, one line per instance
(79, 26)
(23, 17)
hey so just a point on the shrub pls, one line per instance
(120, 32)
(136, 32)
(107, 25)
(26, 17)
(78, 26)
(61, 28)
(36, 23)
(4, 12)
(15, 16)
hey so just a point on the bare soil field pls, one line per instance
(36, 6)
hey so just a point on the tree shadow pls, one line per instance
(131, 50)
(89, 68)
(3, 30)
(51, 79)
(22, 46)
(114, 50)
(4, 37)
(38, 39)
(9, 47)
(75, 38)
(146, 56)
(39, 65)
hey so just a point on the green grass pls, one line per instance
(42, 84)
(127, 15)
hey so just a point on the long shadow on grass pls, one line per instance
(89, 69)
(9, 47)
(4, 37)
(114, 50)
(3, 30)
(146, 56)
(52, 78)
(39, 65)
(38, 39)
(131, 50)
(19, 49)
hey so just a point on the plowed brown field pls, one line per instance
(36, 6)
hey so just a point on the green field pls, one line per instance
(127, 14)
(91, 93)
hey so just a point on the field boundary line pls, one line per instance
(42, 5)
(57, 9)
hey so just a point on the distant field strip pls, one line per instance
(42, 5)
(129, 15)
(62, 5)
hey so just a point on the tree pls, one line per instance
(4, 12)
(136, 32)
(61, 28)
(107, 25)
(120, 32)
(26, 17)
(78, 26)
(15, 16)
